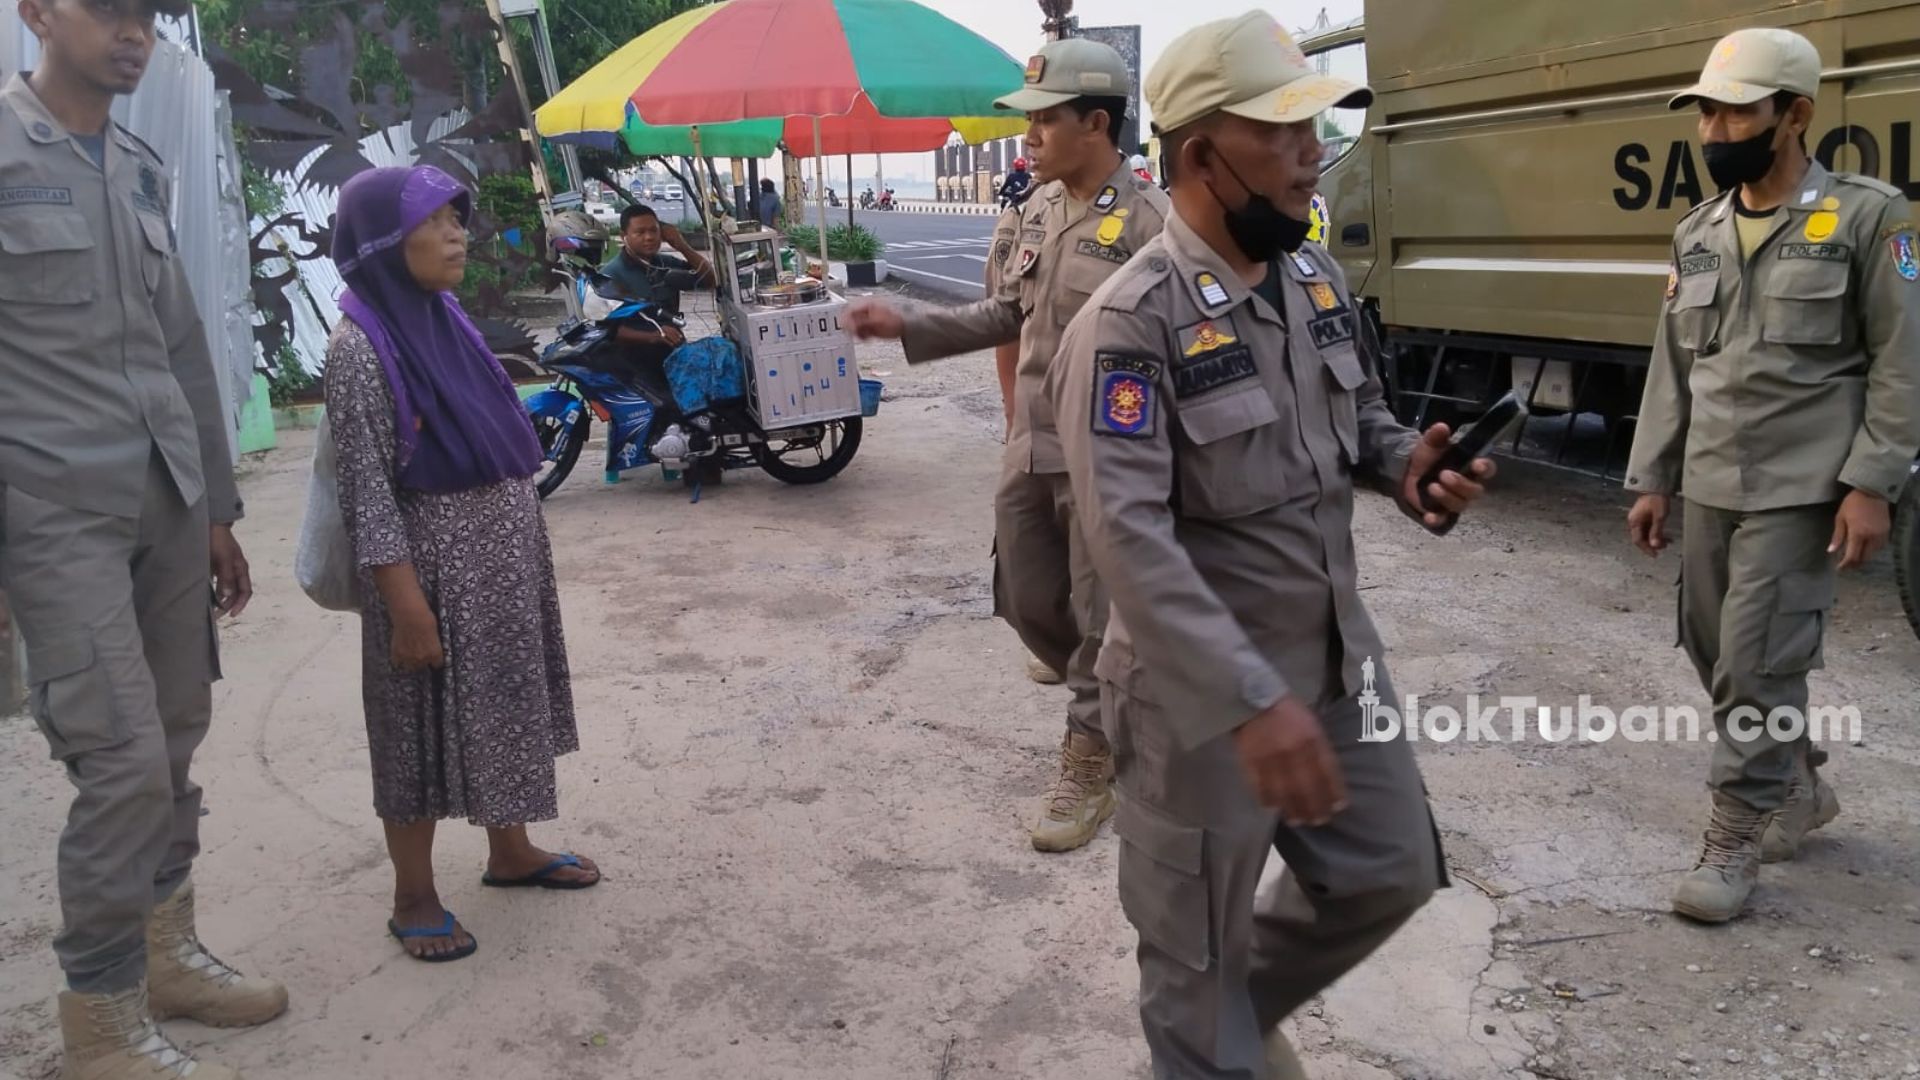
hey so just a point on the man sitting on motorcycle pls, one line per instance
(1018, 185)
(641, 272)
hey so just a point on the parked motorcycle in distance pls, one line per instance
(686, 412)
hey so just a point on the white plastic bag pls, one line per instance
(323, 562)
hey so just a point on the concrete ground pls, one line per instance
(809, 753)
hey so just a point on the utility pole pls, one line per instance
(1060, 22)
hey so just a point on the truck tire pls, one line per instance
(1906, 552)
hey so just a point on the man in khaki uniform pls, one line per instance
(1085, 220)
(117, 501)
(1215, 410)
(1783, 404)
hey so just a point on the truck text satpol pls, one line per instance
(1680, 176)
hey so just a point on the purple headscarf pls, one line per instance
(458, 422)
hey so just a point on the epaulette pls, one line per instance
(1688, 216)
(141, 143)
(1878, 187)
(1130, 284)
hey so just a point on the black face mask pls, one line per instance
(1259, 229)
(1745, 162)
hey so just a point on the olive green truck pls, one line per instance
(1505, 208)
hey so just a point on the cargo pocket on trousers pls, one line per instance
(72, 698)
(1799, 622)
(1163, 883)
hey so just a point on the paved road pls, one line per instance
(943, 253)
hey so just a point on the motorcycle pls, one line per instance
(688, 413)
(886, 200)
(833, 197)
(866, 199)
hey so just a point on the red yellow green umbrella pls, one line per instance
(881, 76)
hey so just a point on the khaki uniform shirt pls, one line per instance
(103, 356)
(1060, 254)
(1213, 444)
(1787, 378)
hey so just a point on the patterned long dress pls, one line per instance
(478, 738)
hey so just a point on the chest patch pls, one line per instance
(1820, 252)
(1214, 293)
(1109, 195)
(1699, 260)
(1331, 329)
(1207, 336)
(1107, 252)
(1211, 371)
(1821, 225)
(1304, 265)
(36, 196)
(1324, 298)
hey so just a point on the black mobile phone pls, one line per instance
(1473, 442)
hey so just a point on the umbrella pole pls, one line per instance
(820, 195)
(849, 189)
(706, 215)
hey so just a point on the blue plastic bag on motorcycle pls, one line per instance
(705, 373)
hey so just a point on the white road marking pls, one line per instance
(942, 277)
(949, 255)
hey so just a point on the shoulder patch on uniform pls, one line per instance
(1108, 196)
(1673, 280)
(1002, 249)
(1331, 329)
(1112, 253)
(1906, 259)
(1028, 257)
(1878, 186)
(1123, 395)
(36, 196)
(1818, 252)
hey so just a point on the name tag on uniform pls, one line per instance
(1331, 329)
(36, 196)
(1211, 371)
(1820, 252)
(1698, 261)
(1113, 254)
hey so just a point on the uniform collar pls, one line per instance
(1121, 180)
(1203, 273)
(1806, 198)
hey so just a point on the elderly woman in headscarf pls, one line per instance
(465, 675)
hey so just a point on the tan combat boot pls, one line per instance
(1810, 804)
(1729, 863)
(1282, 1062)
(1039, 672)
(1081, 798)
(113, 1037)
(188, 981)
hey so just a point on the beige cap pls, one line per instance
(1248, 66)
(1067, 69)
(1748, 66)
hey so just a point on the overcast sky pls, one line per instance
(1014, 25)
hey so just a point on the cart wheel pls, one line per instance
(811, 459)
(1906, 551)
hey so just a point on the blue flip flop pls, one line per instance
(543, 877)
(445, 930)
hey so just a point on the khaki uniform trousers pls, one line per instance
(117, 618)
(1218, 971)
(1755, 591)
(1045, 588)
